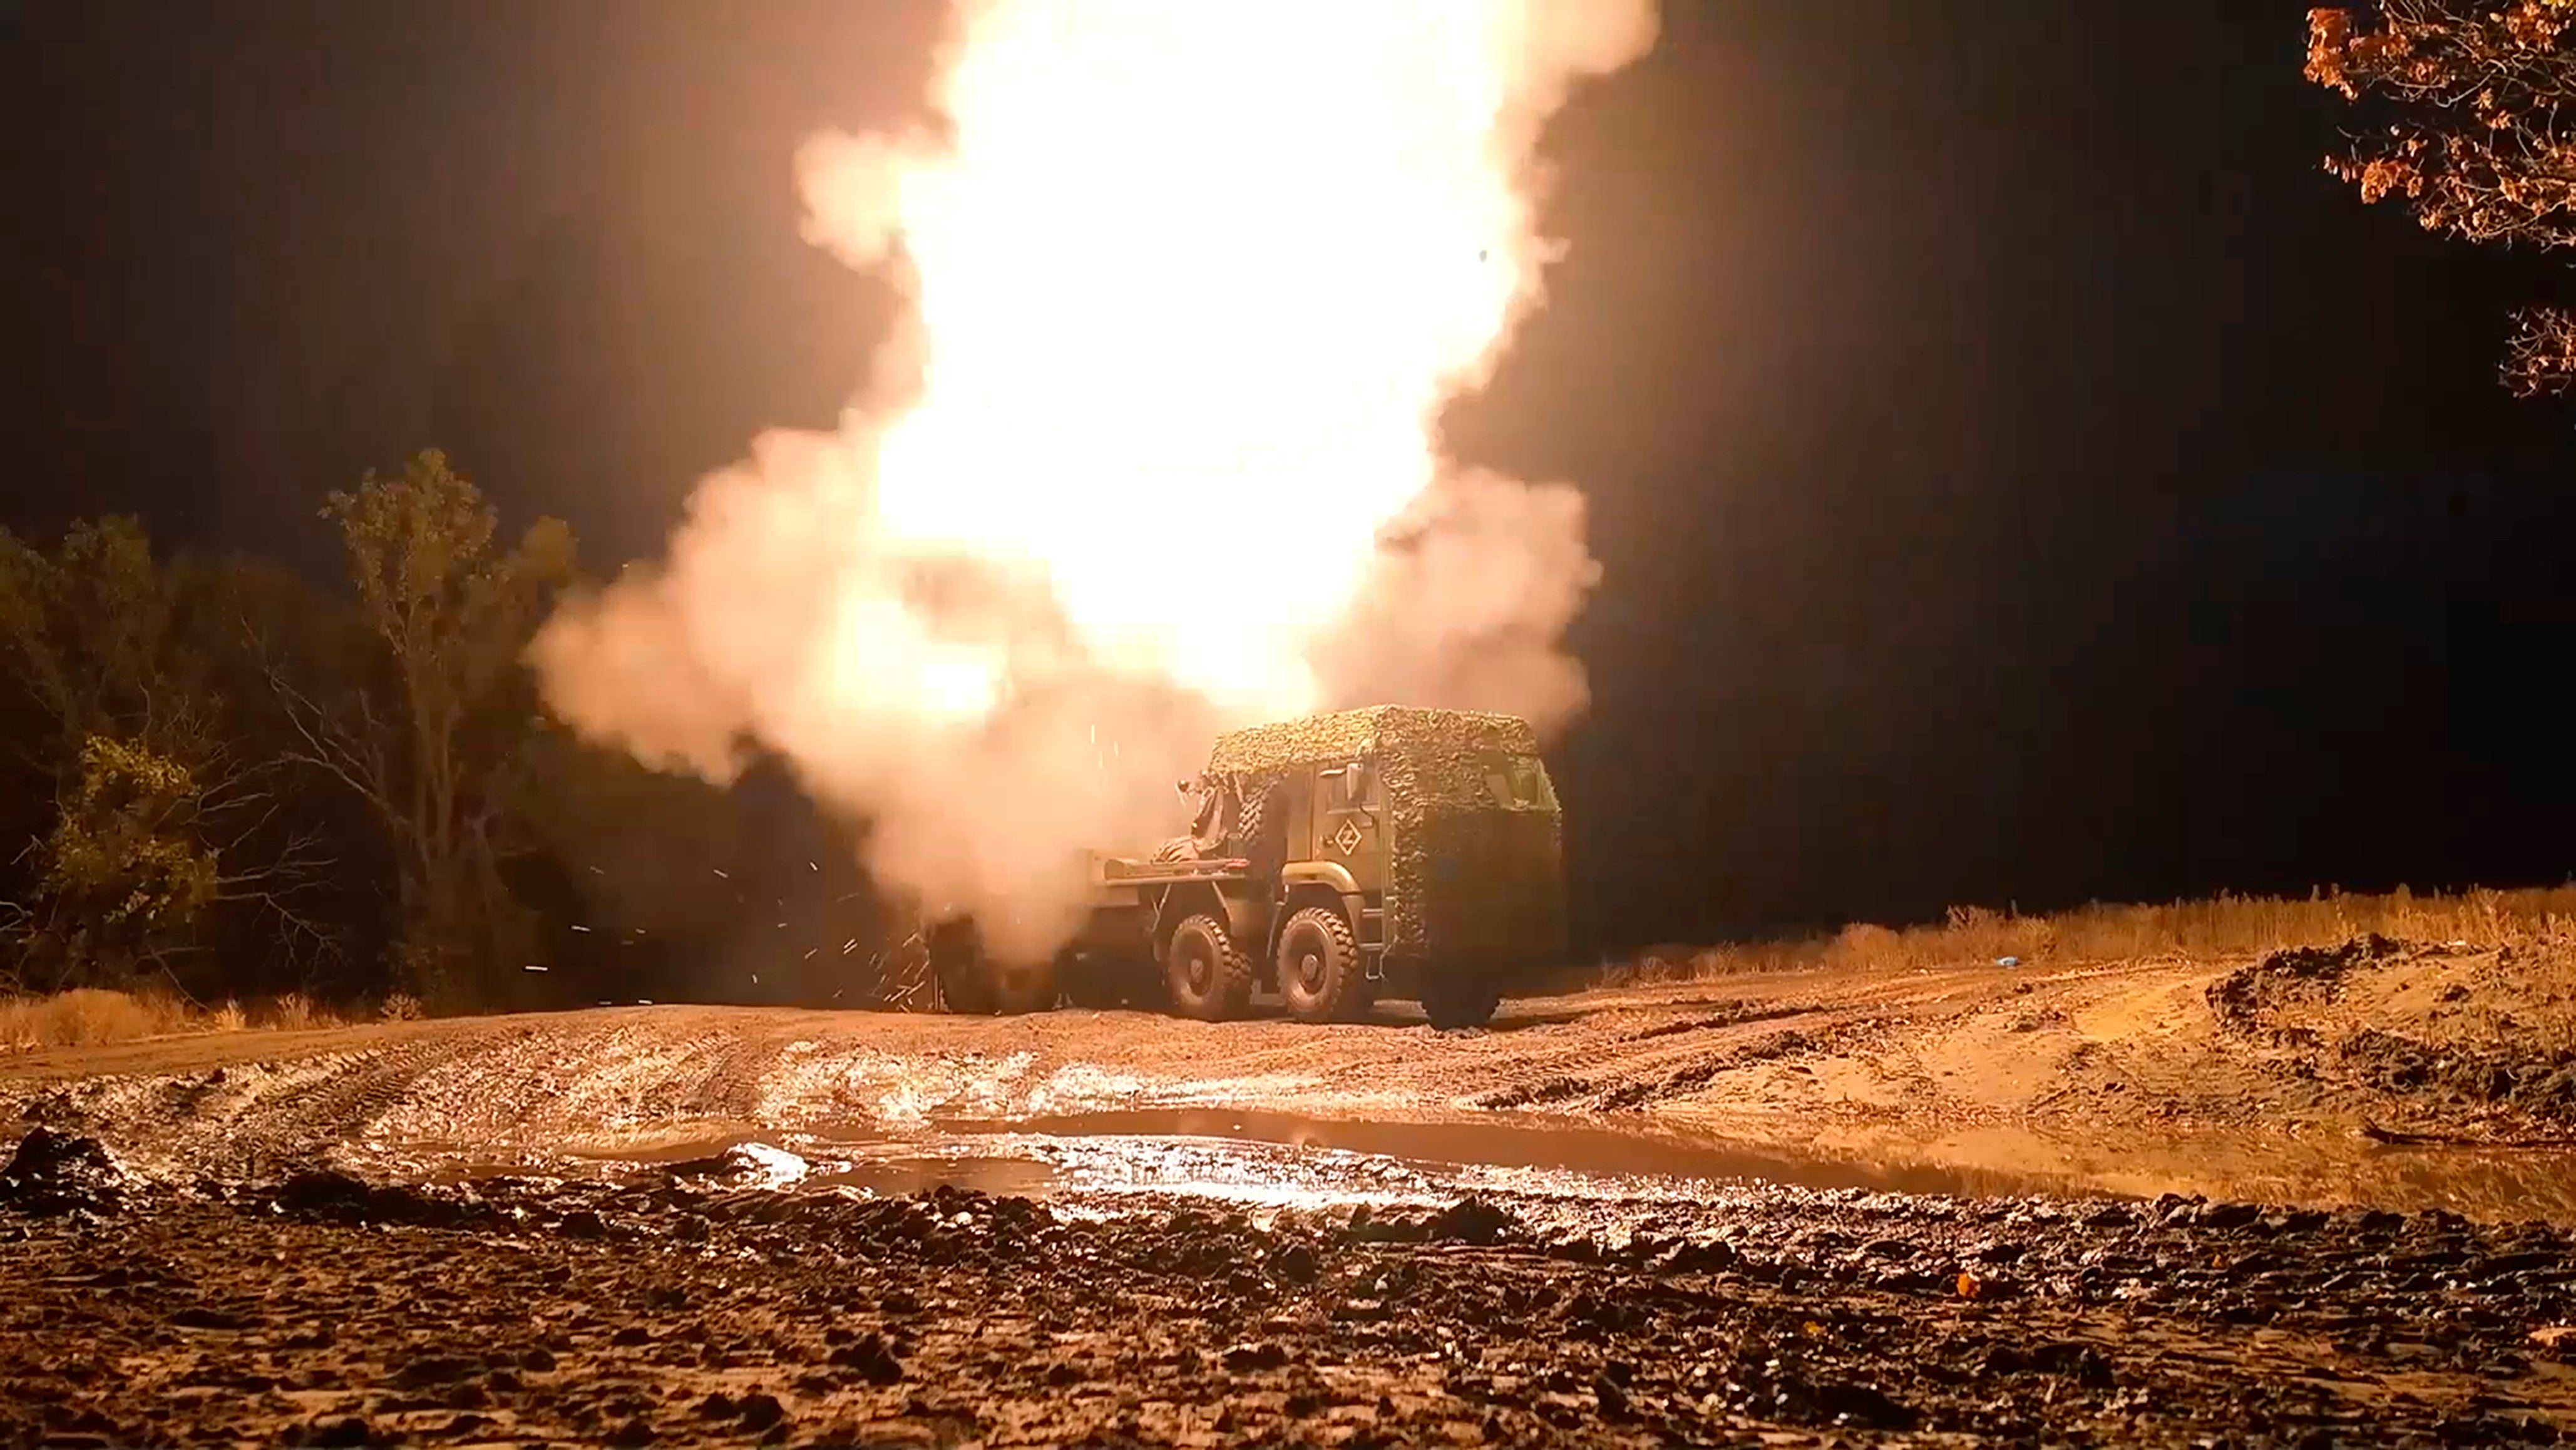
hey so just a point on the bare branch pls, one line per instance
(350, 755)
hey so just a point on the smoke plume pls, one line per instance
(1152, 452)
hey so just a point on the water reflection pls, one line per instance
(1249, 1157)
(1534, 1146)
(1255, 1157)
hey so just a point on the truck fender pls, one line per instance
(1249, 920)
(1332, 875)
(1244, 919)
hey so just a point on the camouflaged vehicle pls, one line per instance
(1334, 860)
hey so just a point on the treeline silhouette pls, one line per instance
(226, 781)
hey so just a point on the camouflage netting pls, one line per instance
(1432, 765)
(1459, 737)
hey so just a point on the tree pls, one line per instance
(84, 628)
(425, 735)
(164, 818)
(2481, 140)
(127, 876)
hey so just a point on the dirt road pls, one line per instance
(2258, 1080)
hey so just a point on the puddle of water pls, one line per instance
(1277, 1158)
(1184, 1149)
(658, 1148)
(1250, 1156)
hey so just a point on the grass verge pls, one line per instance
(91, 1017)
(2221, 926)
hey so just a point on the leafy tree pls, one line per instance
(165, 821)
(85, 630)
(2480, 141)
(127, 875)
(425, 733)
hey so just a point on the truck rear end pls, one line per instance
(1475, 897)
(1493, 897)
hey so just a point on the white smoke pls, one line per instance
(1004, 608)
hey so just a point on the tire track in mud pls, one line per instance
(235, 1119)
(588, 1085)
(1632, 1083)
(1895, 1063)
(1636, 1094)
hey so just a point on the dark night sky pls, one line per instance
(2021, 473)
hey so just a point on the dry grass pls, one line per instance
(87, 1017)
(290, 1012)
(2222, 926)
(90, 1017)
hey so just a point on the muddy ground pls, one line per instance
(2377, 1073)
(673, 1308)
(1612, 1218)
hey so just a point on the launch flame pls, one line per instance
(1153, 452)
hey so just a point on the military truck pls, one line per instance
(1335, 860)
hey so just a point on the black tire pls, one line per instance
(1260, 835)
(1452, 1004)
(1320, 973)
(1210, 977)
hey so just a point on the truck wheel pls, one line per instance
(1260, 834)
(1453, 1004)
(1210, 977)
(1319, 967)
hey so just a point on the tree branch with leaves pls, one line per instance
(2480, 143)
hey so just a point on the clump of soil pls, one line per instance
(2534, 1082)
(54, 1173)
(2247, 999)
(2455, 1041)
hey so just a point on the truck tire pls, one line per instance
(1452, 1004)
(1260, 835)
(1320, 973)
(1211, 979)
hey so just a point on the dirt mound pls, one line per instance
(2534, 1082)
(2473, 1044)
(333, 1197)
(2293, 977)
(53, 1173)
